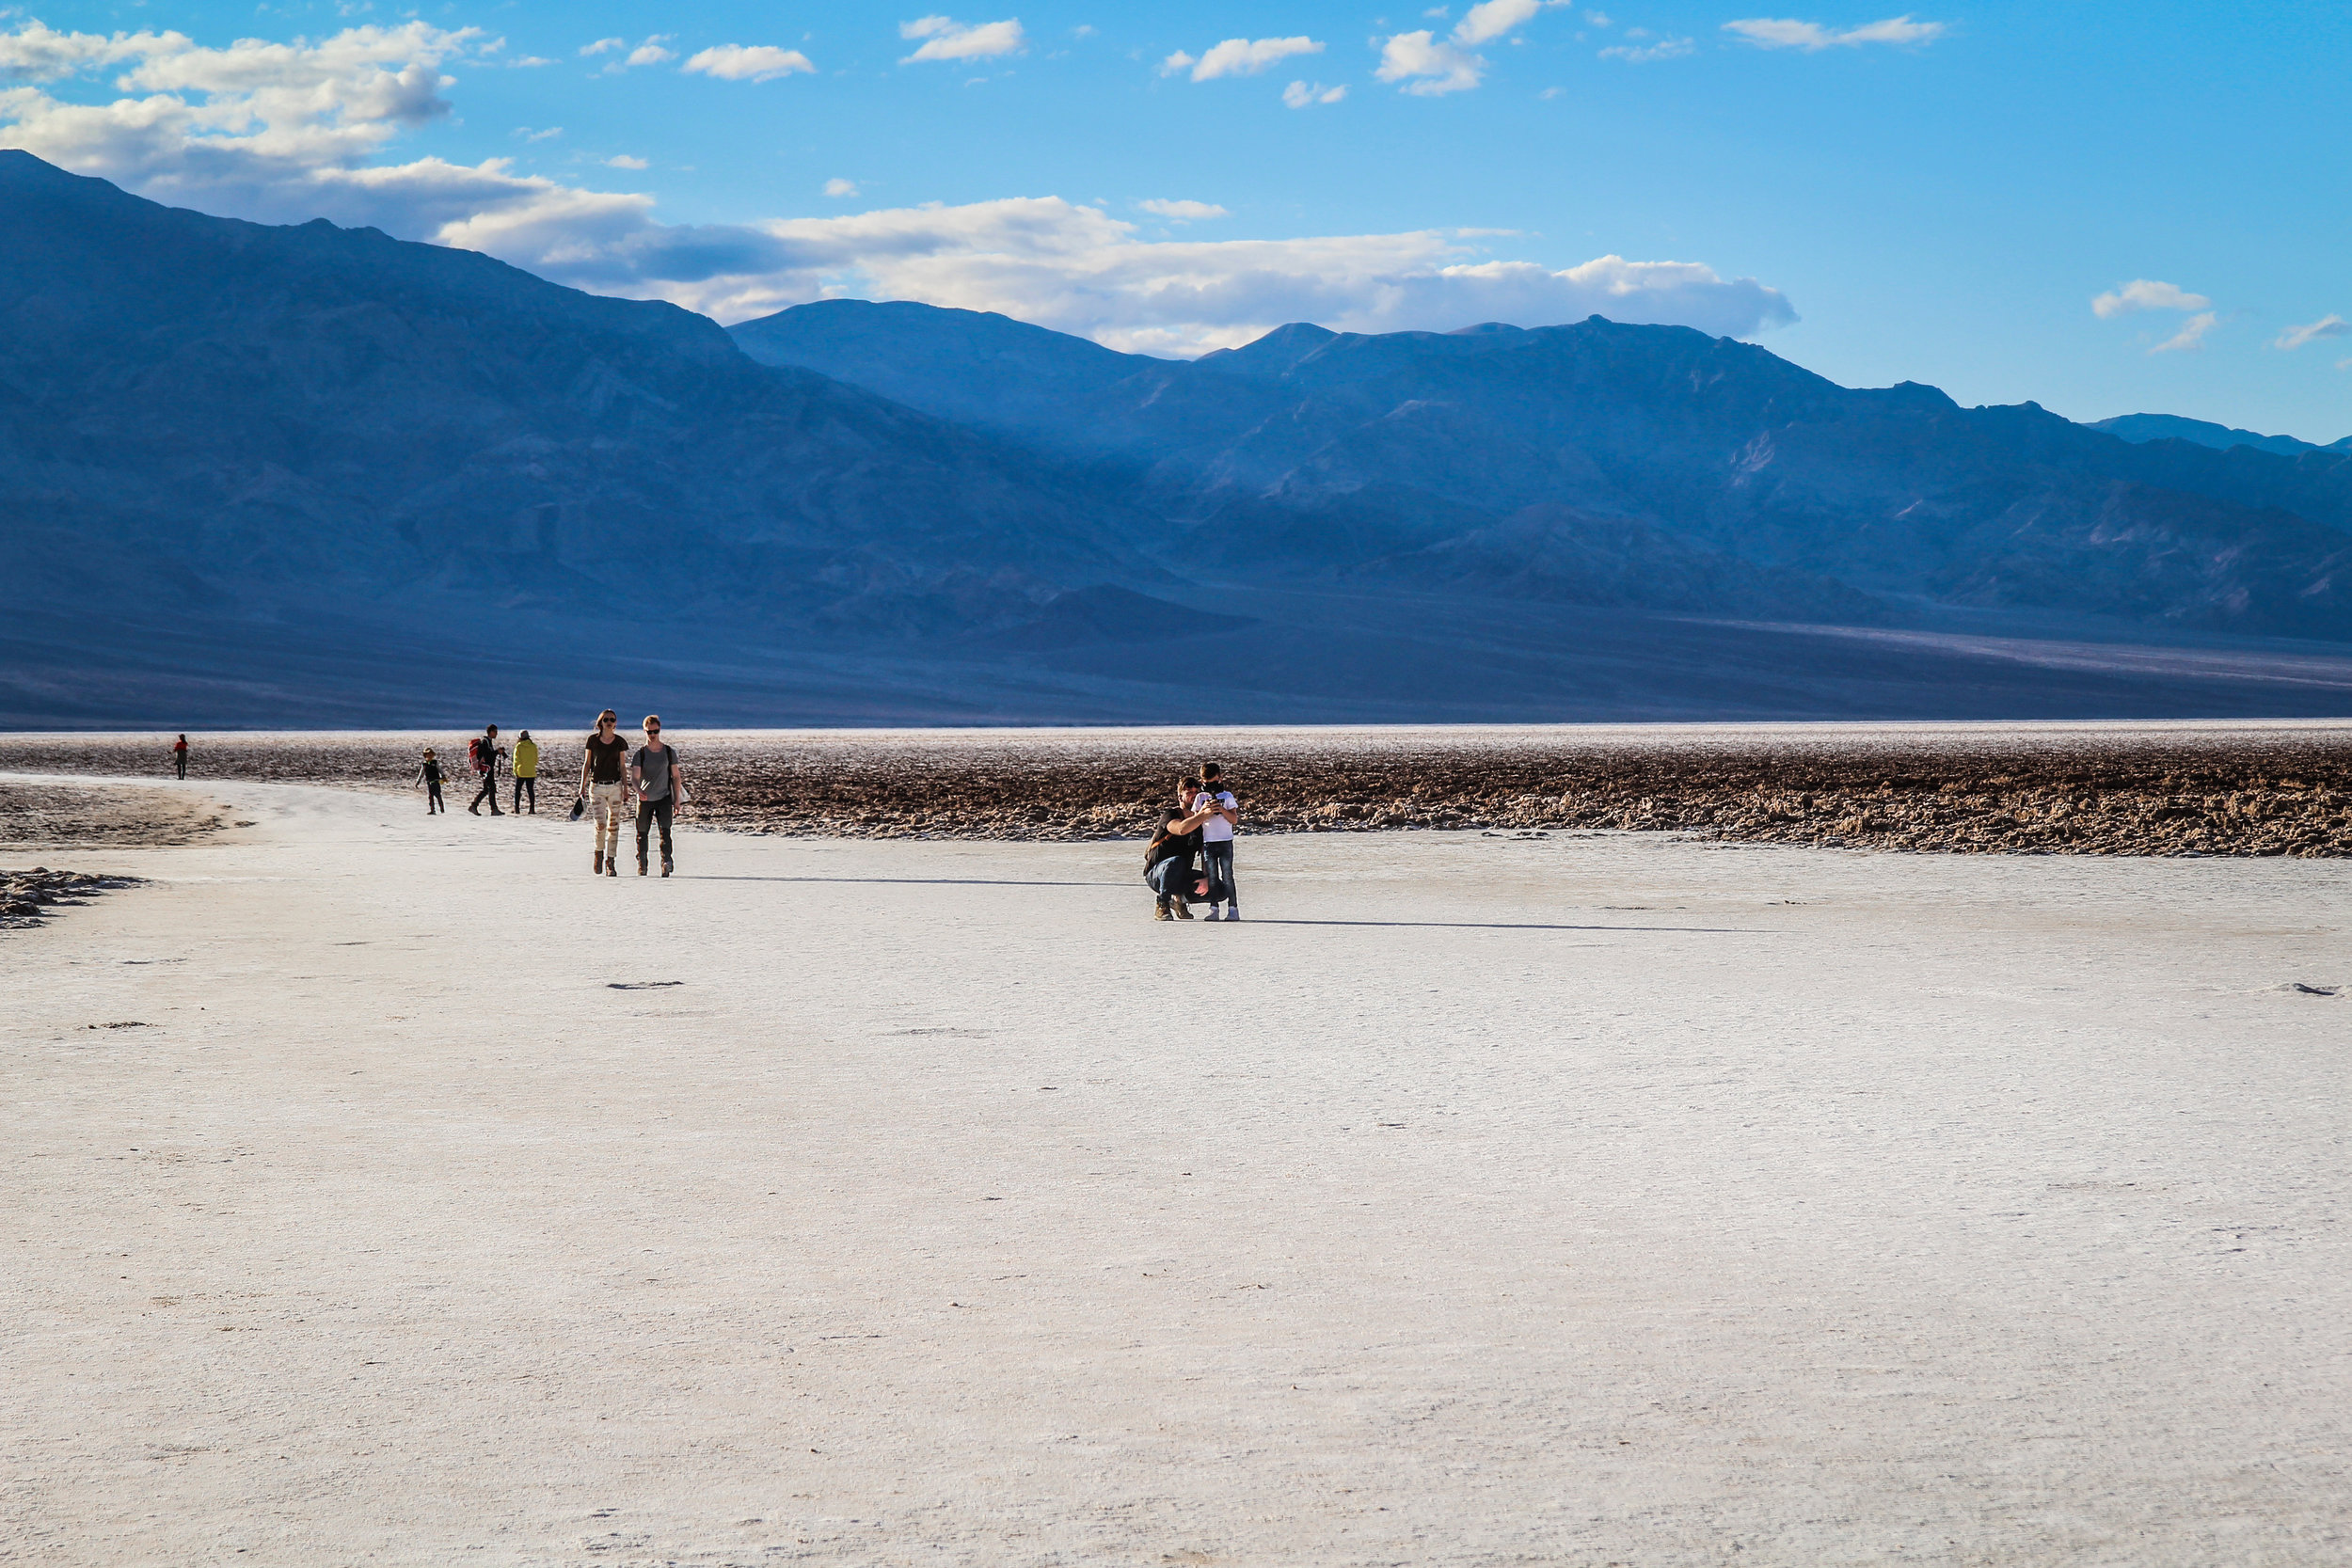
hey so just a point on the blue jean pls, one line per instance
(1217, 859)
(1171, 879)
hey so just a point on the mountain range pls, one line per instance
(2204, 432)
(261, 474)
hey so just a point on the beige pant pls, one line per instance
(607, 802)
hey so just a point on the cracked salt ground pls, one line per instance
(1848, 1209)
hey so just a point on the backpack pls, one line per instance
(475, 750)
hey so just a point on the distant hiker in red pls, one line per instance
(484, 752)
(179, 756)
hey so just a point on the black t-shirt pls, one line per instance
(1168, 846)
(432, 771)
(606, 758)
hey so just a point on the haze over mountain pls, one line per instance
(256, 474)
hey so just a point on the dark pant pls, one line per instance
(433, 800)
(528, 787)
(1171, 879)
(649, 813)
(489, 791)
(180, 763)
(1217, 861)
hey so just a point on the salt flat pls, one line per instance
(1577, 1200)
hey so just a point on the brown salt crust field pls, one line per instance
(2125, 789)
(74, 816)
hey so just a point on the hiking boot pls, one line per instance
(473, 808)
(666, 867)
(612, 865)
(641, 868)
(1184, 911)
(1161, 912)
(600, 870)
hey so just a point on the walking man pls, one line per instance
(526, 772)
(1216, 841)
(654, 772)
(486, 751)
(603, 782)
(179, 756)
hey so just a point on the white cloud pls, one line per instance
(758, 62)
(2146, 294)
(1664, 49)
(528, 134)
(2325, 326)
(1183, 212)
(648, 53)
(1301, 95)
(1427, 67)
(286, 132)
(1484, 23)
(1811, 37)
(946, 39)
(1240, 57)
(838, 187)
(250, 117)
(621, 160)
(602, 46)
(528, 62)
(2192, 334)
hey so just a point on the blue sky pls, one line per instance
(1939, 195)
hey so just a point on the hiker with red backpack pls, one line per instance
(484, 752)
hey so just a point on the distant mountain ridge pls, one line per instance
(1310, 452)
(251, 470)
(2172, 427)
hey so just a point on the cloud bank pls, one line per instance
(285, 132)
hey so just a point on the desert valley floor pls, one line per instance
(384, 1189)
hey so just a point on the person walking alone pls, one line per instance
(486, 751)
(655, 774)
(179, 756)
(526, 772)
(429, 775)
(1216, 841)
(603, 784)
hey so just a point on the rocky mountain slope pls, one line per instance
(1734, 481)
(197, 412)
(311, 474)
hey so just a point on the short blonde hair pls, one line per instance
(652, 720)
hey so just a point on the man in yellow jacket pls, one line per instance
(527, 772)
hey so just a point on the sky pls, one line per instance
(2104, 209)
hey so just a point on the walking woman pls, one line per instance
(603, 784)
